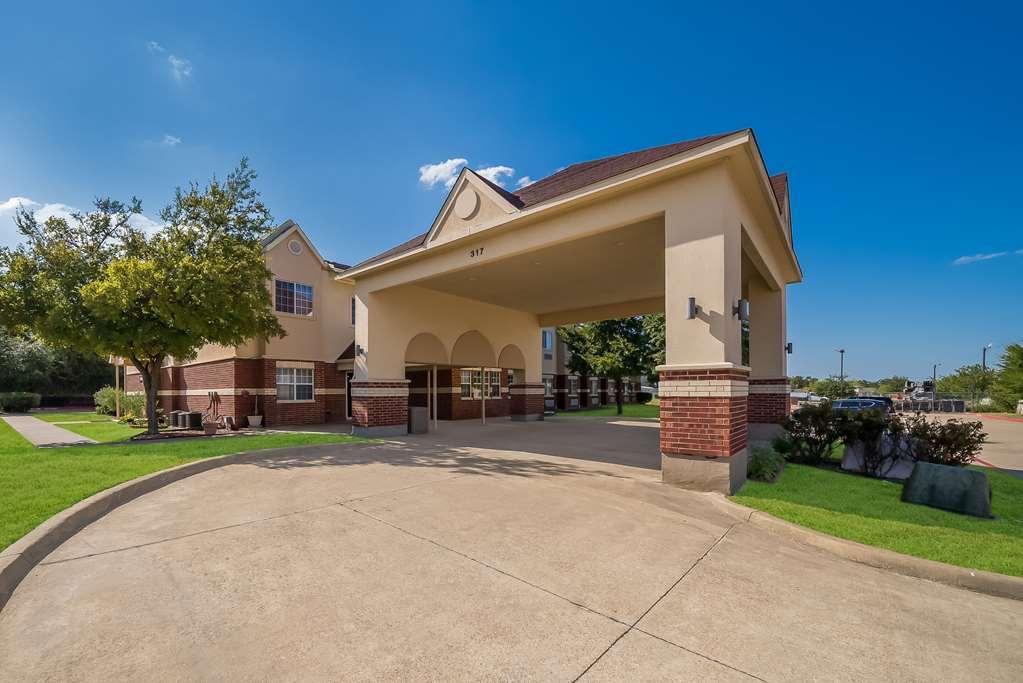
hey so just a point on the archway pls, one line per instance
(513, 359)
(424, 353)
(475, 354)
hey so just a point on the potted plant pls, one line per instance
(210, 427)
(255, 419)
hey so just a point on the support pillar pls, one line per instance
(769, 383)
(704, 387)
(527, 401)
(380, 407)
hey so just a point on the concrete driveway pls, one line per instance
(542, 551)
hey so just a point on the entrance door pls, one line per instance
(348, 395)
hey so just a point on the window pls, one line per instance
(472, 384)
(573, 385)
(548, 339)
(594, 385)
(353, 312)
(294, 384)
(548, 386)
(291, 297)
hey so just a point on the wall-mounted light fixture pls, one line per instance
(741, 309)
(788, 348)
(359, 351)
(693, 310)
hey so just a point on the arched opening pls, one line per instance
(513, 361)
(425, 357)
(473, 349)
(478, 376)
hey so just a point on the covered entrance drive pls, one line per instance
(698, 230)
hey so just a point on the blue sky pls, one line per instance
(898, 125)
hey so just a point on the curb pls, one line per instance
(23, 555)
(978, 580)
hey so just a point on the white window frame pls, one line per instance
(547, 340)
(594, 385)
(572, 385)
(294, 294)
(293, 378)
(476, 386)
(548, 386)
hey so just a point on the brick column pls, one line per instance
(527, 401)
(768, 400)
(380, 407)
(703, 428)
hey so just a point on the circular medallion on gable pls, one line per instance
(295, 247)
(467, 203)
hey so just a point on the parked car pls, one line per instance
(858, 404)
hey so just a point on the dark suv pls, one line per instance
(858, 404)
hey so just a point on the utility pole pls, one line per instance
(841, 364)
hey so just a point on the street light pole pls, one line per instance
(841, 364)
(934, 377)
(983, 357)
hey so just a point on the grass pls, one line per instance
(36, 483)
(628, 410)
(102, 428)
(869, 511)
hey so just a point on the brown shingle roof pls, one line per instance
(780, 185)
(569, 179)
(348, 353)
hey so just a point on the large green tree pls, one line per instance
(1007, 388)
(969, 382)
(26, 364)
(609, 348)
(892, 385)
(833, 388)
(96, 283)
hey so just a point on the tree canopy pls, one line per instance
(96, 283)
(610, 348)
(1007, 388)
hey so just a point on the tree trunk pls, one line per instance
(618, 394)
(150, 382)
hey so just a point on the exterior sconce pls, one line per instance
(741, 310)
(359, 351)
(788, 348)
(693, 310)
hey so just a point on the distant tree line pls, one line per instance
(27, 364)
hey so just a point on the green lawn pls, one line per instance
(36, 483)
(102, 428)
(628, 410)
(870, 511)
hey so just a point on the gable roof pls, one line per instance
(278, 233)
(583, 174)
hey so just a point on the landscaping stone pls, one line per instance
(949, 488)
(852, 460)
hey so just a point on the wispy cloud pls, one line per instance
(494, 173)
(170, 140)
(431, 175)
(965, 260)
(523, 181)
(9, 235)
(154, 46)
(181, 68)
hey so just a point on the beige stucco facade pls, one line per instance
(642, 234)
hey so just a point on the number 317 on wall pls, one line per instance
(475, 253)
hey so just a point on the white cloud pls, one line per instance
(964, 260)
(170, 140)
(494, 173)
(10, 237)
(523, 181)
(181, 68)
(445, 172)
(154, 46)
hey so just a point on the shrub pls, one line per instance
(877, 437)
(19, 401)
(644, 397)
(952, 443)
(132, 405)
(764, 464)
(810, 433)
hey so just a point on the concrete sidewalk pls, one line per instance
(516, 551)
(41, 433)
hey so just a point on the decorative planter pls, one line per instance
(210, 428)
(255, 420)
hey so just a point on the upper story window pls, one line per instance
(352, 312)
(547, 338)
(292, 297)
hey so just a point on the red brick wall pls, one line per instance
(526, 404)
(703, 425)
(768, 408)
(380, 411)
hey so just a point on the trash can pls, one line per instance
(418, 420)
(195, 420)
